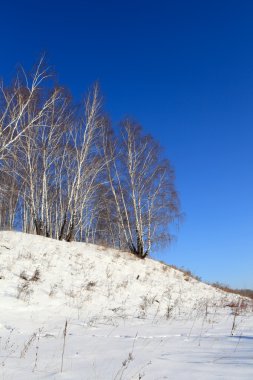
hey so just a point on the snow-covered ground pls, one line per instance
(124, 318)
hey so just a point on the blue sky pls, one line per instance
(184, 70)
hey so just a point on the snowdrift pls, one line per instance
(113, 306)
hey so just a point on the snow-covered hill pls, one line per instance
(125, 318)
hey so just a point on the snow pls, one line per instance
(126, 318)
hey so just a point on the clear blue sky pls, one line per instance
(183, 69)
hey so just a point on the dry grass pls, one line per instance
(188, 274)
(242, 292)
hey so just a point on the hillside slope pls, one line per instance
(44, 283)
(95, 280)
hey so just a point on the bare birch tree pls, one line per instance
(22, 109)
(39, 151)
(142, 185)
(83, 169)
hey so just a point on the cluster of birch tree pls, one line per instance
(65, 173)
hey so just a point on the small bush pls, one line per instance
(36, 275)
(24, 291)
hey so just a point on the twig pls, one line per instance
(37, 350)
(126, 362)
(64, 342)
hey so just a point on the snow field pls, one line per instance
(126, 318)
